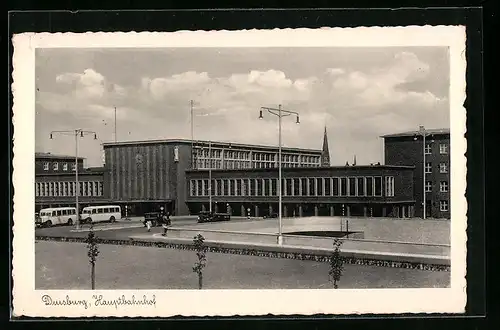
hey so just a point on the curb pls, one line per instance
(218, 248)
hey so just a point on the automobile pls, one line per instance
(154, 217)
(206, 216)
(272, 215)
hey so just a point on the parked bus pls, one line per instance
(92, 214)
(56, 216)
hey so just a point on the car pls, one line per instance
(272, 215)
(205, 216)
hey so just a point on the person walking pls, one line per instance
(166, 223)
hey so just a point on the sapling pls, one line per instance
(200, 248)
(92, 253)
(336, 263)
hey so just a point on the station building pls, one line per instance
(146, 175)
(174, 173)
(373, 190)
(408, 148)
(55, 182)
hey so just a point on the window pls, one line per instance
(303, 186)
(352, 186)
(205, 187)
(192, 188)
(37, 189)
(389, 186)
(56, 188)
(428, 186)
(335, 186)
(65, 166)
(100, 188)
(443, 168)
(46, 166)
(252, 187)
(212, 187)
(443, 149)
(225, 188)
(378, 186)
(274, 187)
(259, 187)
(199, 188)
(369, 186)
(428, 168)
(443, 186)
(219, 187)
(296, 187)
(319, 185)
(428, 149)
(312, 187)
(361, 186)
(73, 167)
(328, 186)
(443, 206)
(288, 185)
(55, 166)
(343, 186)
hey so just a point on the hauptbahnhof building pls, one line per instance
(186, 177)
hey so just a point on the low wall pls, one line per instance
(350, 243)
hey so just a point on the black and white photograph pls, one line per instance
(258, 166)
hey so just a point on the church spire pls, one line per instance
(325, 155)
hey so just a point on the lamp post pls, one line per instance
(280, 113)
(422, 132)
(76, 133)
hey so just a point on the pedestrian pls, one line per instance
(166, 223)
(148, 224)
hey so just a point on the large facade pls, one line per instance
(55, 182)
(326, 191)
(408, 149)
(148, 174)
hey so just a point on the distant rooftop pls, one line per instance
(429, 131)
(54, 156)
(206, 142)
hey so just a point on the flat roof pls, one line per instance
(319, 168)
(214, 143)
(54, 156)
(430, 131)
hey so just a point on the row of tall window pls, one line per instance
(337, 186)
(443, 167)
(67, 189)
(443, 148)
(59, 166)
(443, 186)
(238, 159)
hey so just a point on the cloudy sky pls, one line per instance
(358, 93)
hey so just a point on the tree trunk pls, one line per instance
(200, 281)
(92, 276)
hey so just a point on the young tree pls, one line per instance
(92, 253)
(336, 263)
(200, 248)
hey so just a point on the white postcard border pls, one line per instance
(28, 302)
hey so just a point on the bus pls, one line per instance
(92, 214)
(56, 216)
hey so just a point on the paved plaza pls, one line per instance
(65, 266)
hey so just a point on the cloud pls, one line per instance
(357, 105)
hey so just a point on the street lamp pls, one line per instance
(76, 133)
(280, 113)
(422, 132)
